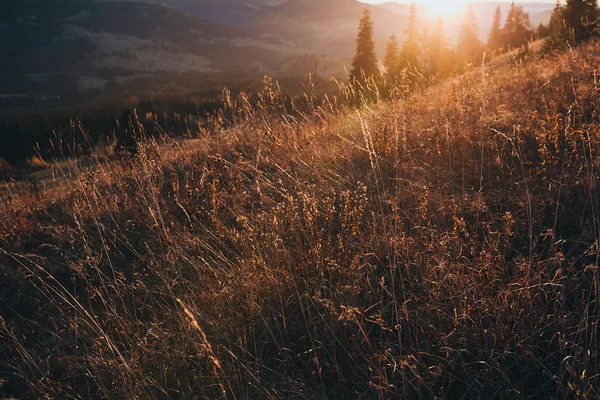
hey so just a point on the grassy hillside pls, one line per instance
(444, 246)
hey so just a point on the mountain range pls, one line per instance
(227, 12)
(64, 52)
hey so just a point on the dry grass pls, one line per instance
(441, 246)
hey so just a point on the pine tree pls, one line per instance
(556, 19)
(542, 31)
(494, 39)
(556, 23)
(364, 63)
(516, 32)
(580, 18)
(392, 56)
(469, 49)
(592, 13)
(558, 33)
(439, 56)
(410, 55)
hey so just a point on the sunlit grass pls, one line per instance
(443, 244)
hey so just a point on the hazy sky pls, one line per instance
(475, 1)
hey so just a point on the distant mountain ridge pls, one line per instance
(63, 52)
(227, 12)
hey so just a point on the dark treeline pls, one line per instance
(429, 54)
(67, 132)
(73, 132)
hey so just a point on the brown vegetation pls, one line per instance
(5, 167)
(445, 245)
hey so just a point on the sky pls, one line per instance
(453, 1)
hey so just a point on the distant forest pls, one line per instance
(72, 131)
(429, 54)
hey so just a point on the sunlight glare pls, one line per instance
(445, 8)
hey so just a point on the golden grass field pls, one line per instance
(443, 245)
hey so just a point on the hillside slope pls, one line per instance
(227, 12)
(445, 245)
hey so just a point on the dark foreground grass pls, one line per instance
(441, 246)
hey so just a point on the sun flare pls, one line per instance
(445, 8)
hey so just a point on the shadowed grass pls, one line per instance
(445, 245)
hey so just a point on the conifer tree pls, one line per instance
(558, 33)
(516, 32)
(556, 23)
(410, 55)
(580, 18)
(440, 58)
(392, 56)
(469, 49)
(364, 63)
(542, 31)
(494, 39)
